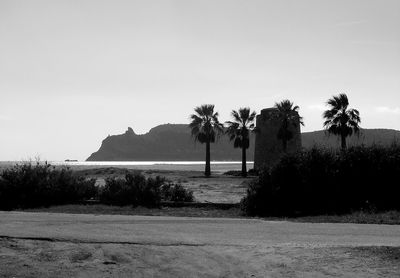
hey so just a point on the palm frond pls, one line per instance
(339, 119)
(252, 117)
(289, 116)
(238, 130)
(204, 124)
(235, 115)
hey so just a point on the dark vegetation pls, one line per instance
(32, 185)
(172, 192)
(324, 181)
(137, 190)
(341, 120)
(289, 118)
(132, 190)
(250, 173)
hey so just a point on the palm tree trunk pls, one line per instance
(244, 170)
(208, 168)
(343, 142)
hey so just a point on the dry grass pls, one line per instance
(359, 217)
(389, 217)
(128, 210)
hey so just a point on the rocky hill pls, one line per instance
(172, 142)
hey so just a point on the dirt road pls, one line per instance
(44, 244)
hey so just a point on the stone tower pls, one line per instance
(268, 148)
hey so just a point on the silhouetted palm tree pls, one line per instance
(340, 120)
(239, 131)
(205, 129)
(289, 116)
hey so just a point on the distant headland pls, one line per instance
(173, 142)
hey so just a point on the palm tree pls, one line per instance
(289, 117)
(205, 129)
(341, 120)
(239, 131)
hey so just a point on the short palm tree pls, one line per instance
(340, 119)
(289, 118)
(239, 132)
(206, 128)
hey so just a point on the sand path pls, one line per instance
(107, 245)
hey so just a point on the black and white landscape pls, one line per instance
(199, 138)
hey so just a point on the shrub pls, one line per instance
(137, 190)
(30, 185)
(238, 173)
(233, 173)
(133, 190)
(321, 181)
(176, 193)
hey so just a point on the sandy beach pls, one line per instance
(219, 188)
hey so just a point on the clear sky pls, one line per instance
(72, 72)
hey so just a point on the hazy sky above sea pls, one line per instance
(72, 72)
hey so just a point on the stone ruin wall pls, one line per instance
(268, 148)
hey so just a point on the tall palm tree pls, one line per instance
(340, 119)
(239, 130)
(205, 129)
(289, 118)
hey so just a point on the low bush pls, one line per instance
(137, 190)
(30, 185)
(235, 173)
(321, 181)
(176, 193)
(133, 190)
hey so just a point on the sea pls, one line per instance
(216, 166)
